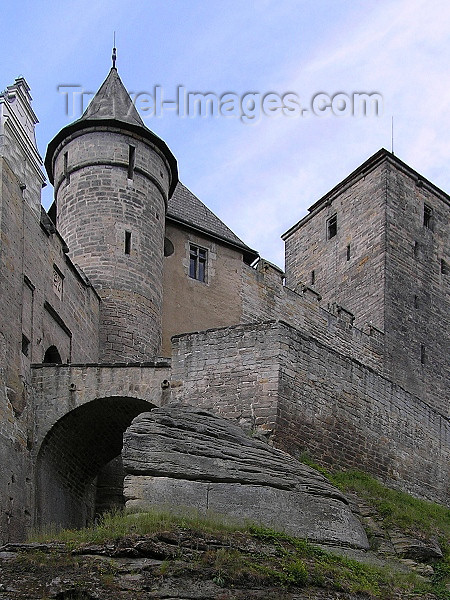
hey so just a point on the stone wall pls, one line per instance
(339, 411)
(80, 415)
(343, 413)
(348, 267)
(36, 314)
(264, 297)
(113, 223)
(232, 372)
(417, 291)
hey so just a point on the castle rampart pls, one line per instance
(310, 398)
(265, 297)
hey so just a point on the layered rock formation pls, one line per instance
(185, 458)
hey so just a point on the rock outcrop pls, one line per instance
(185, 458)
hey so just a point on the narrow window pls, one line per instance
(444, 267)
(127, 248)
(25, 345)
(313, 277)
(197, 263)
(332, 227)
(422, 354)
(416, 249)
(416, 302)
(427, 216)
(348, 252)
(131, 160)
(66, 166)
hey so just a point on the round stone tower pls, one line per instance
(112, 178)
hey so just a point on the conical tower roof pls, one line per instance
(112, 101)
(111, 107)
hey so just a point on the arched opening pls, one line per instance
(79, 447)
(52, 356)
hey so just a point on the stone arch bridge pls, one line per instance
(80, 415)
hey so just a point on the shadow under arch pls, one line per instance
(72, 454)
(52, 356)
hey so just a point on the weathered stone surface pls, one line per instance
(182, 458)
(415, 549)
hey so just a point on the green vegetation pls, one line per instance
(398, 510)
(249, 555)
(395, 508)
(236, 555)
(116, 525)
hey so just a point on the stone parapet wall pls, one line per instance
(230, 371)
(344, 414)
(314, 399)
(264, 297)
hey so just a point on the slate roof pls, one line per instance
(185, 208)
(111, 107)
(112, 101)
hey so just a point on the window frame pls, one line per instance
(428, 216)
(198, 263)
(332, 227)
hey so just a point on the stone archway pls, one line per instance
(74, 451)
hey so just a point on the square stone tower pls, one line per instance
(378, 245)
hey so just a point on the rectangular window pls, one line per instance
(331, 227)
(313, 277)
(131, 161)
(348, 252)
(127, 248)
(66, 167)
(197, 263)
(416, 249)
(427, 216)
(444, 267)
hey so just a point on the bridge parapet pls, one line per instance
(59, 389)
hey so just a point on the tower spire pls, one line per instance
(114, 55)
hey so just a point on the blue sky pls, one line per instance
(261, 177)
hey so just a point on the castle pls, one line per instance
(130, 293)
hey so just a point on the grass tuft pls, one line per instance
(397, 509)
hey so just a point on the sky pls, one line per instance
(259, 175)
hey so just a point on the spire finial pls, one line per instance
(114, 55)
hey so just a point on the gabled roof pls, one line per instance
(185, 208)
(111, 107)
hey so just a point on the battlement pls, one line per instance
(264, 297)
